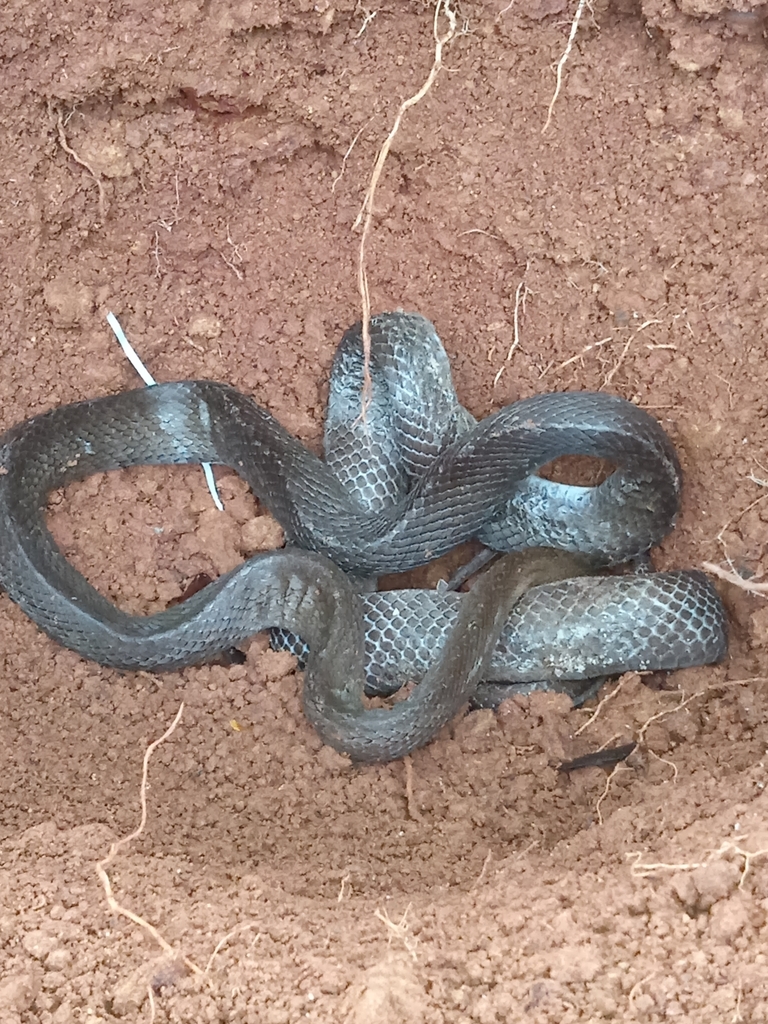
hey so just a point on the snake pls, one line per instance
(403, 482)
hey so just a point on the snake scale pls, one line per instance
(403, 485)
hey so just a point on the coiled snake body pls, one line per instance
(400, 487)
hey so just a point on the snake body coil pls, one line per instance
(406, 485)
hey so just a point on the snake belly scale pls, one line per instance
(414, 479)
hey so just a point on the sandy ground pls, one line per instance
(190, 166)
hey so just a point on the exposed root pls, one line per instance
(120, 844)
(481, 876)
(136, 362)
(579, 355)
(599, 708)
(343, 888)
(83, 163)
(612, 372)
(639, 869)
(235, 257)
(666, 761)
(730, 575)
(734, 578)
(344, 159)
(616, 769)
(119, 909)
(230, 935)
(399, 930)
(365, 216)
(521, 294)
(640, 737)
(368, 17)
(605, 341)
(413, 808)
(564, 60)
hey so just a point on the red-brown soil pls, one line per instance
(476, 884)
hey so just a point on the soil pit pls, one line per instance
(192, 168)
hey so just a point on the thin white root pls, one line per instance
(118, 845)
(733, 577)
(365, 216)
(83, 163)
(521, 294)
(563, 61)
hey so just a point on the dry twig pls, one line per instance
(635, 990)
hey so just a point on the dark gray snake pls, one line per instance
(399, 487)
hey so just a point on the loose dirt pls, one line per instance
(191, 167)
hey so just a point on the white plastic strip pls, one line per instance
(130, 351)
(149, 380)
